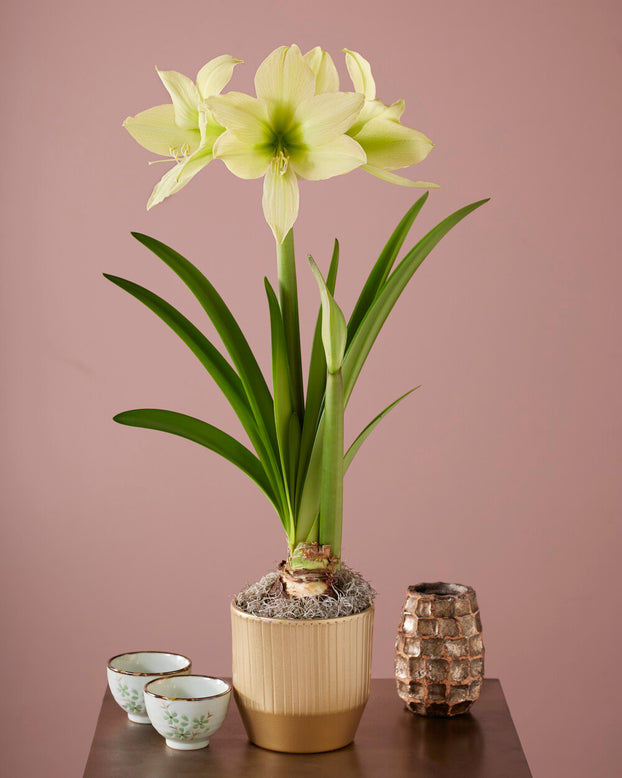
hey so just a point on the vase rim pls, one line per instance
(240, 612)
(441, 589)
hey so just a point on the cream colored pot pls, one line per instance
(301, 685)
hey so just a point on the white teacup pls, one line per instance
(128, 674)
(187, 709)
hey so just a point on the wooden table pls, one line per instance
(390, 743)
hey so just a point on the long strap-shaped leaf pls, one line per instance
(316, 383)
(230, 333)
(377, 314)
(216, 365)
(282, 391)
(362, 437)
(288, 296)
(359, 350)
(205, 434)
(382, 267)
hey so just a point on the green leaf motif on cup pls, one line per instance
(129, 699)
(181, 728)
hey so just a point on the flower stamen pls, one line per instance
(281, 162)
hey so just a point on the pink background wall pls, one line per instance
(503, 471)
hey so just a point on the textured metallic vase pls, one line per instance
(439, 654)
(301, 685)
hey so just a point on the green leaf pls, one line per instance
(216, 365)
(293, 447)
(234, 341)
(282, 389)
(331, 498)
(357, 353)
(362, 437)
(288, 296)
(201, 432)
(311, 489)
(382, 268)
(386, 298)
(334, 328)
(316, 382)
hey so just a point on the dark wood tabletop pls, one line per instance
(391, 742)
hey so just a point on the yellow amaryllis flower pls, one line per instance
(184, 130)
(285, 133)
(387, 143)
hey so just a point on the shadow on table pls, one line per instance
(445, 742)
(260, 763)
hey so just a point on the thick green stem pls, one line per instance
(288, 297)
(331, 505)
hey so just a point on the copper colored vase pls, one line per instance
(439, 654)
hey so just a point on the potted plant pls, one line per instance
(298, 126)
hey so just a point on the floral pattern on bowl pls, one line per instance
(128, 673)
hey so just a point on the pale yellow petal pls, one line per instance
(339, 156)
(390, 145)
(324, 70)
(211, 131)
(393, 178)
(215, 75)
(245, 116)
(370, 110)
(243, 159)
(178, 176)
(395, 110)
(185, 97)
(324, 117)
(280, 200)
(156, 130)
(284, 77)
(360, 73)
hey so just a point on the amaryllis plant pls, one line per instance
(299, 125)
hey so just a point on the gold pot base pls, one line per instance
(304, 734)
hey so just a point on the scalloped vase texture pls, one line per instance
(439, 653)
(301, 684)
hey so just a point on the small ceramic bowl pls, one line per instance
(128, 674)
(187, 709)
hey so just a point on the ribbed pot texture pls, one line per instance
(301, 684)
(439, 654)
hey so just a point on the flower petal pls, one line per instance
(215, 75)
(244, 160)
(369, 111)
(178, 176)
(389, 145)
(284, 77)
(393, 178)
(155, 129)
(280, 200)
(245, 116)
(395, 110)
(323, 67)
(339, 156)
(185, 97)
(360, 73)
(326, 116)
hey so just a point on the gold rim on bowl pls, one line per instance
(189, 699)
(179, 670)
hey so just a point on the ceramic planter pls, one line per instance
(301, 684)
(439, 654)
